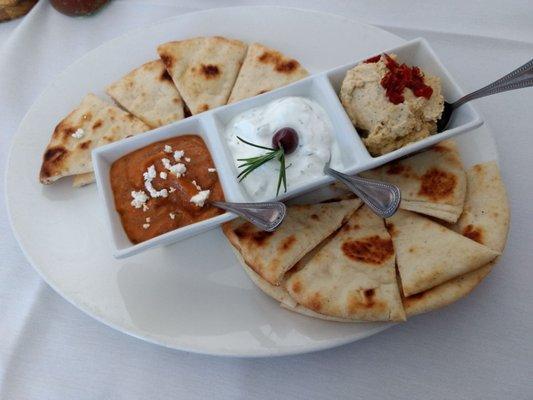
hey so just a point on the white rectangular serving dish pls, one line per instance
(322, 88)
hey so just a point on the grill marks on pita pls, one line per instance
(353, 276)
(432, 182)
(272, 254)
(437, 264)
(93, 123)
(485, 219)
(263, 70)
(204, 69)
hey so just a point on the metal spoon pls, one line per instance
(381, 197)
(520, 78)
(266, 216)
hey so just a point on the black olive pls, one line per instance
(285, 138)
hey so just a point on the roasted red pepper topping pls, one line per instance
(401, 76)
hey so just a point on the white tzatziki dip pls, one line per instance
(316, 143)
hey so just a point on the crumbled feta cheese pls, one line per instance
(172, 215)
(200, 198)
(139, 199)
(167, 149)
(211, 170)
(148, 219)
(146, 226)
(197, 186)
(145, 207)
(166, 162)
(172, 189)
(78, 134)
(154, 192)
(177, 169)
(163, 175)
(178, 154)
(187, 159)
(149, 175)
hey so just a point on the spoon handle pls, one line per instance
(381, 197)
(266, 216)
(521, 77)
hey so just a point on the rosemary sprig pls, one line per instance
(252, 163)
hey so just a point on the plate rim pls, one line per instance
(145, 336)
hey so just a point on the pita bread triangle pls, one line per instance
(204, 69)
(444, 294)
(432, 182)
(285, 300)
(428, 254)
(272, 254)
(485, 219)
(264, 69)
(353, 276)
(149, 93)
(93, 123)
(282, 296)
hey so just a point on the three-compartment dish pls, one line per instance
(322, 89)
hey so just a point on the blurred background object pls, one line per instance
(11, 9)
(77, 7)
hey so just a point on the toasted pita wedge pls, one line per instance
(428, 254)
(264, 69)
(353, 276)
(204, 69)
(445, 293)
(485, 219)
(280, 294)
(432, 182)
(271, 254)
(149, 93)
(97, 123)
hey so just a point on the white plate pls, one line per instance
(192, 295)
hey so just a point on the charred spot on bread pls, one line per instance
(437, 184)
(85, 145)
(370, 250)
(248, 233)
(165, 76)
(209, 71)
(277, 60)
(474, 233)
(288, 242)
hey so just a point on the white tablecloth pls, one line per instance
(481, 348)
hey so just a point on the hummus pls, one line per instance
(383, 125)
(165, 186)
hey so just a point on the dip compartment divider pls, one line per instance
(214, 132)
(353, 150)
